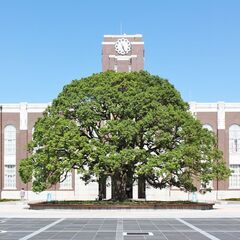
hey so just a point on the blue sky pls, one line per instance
(45, 44)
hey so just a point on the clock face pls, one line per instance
(122, 46)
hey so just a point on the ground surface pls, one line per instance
(115, 229)
(18, 222)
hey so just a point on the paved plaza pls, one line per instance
(119, 229)
(18, 222)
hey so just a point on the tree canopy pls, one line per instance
(123, 125)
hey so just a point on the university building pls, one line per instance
(121, 53)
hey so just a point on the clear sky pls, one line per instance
(45, 44)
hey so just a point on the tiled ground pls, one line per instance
(114, 229)
(224, 229)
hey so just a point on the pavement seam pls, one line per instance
(119, 230)
(159, 229)
(42, 229)
(208, 235)
(179, 232)
(4, 220)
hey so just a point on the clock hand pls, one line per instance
(123, 47)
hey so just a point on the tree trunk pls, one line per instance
(119, 185)
(141, 187)
(102, 187)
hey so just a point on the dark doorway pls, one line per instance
(141, 187)
(102, 187)
(129, 187)
(129, 190)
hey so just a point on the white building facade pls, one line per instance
(119, 53)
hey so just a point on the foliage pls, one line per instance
(122, 125)
(8, 200)
(232, 199)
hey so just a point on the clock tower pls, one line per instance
(123, 53)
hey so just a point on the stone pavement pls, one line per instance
(18, 222)
(119, 229)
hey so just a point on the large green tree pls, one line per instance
(123, 125)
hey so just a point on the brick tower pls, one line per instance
(123, 53)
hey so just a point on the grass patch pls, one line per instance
(110, 202)
(232, 199)
(8, 200)
(128, 204)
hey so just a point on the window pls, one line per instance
(208, 127)
(234, 180)
(10, 157)
(10, 140)
(234, 139)
(10, 176)
(129, 68)
(67, 183)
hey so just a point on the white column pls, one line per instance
(221, 115)
(23, 116)
(75, 186)
(135, 190)
(108, 188)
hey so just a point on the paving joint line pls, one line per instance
(119, 229)
(208, 235)
(4, 220)
(159, 229)
(97, 230)
(42, 229)
(237, 219)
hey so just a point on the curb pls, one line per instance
(195, 206)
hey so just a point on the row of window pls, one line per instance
(10, 161)
(234, 180)
(10, 158)
(234, 137)
(234, 154)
